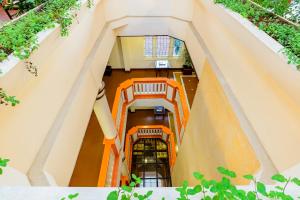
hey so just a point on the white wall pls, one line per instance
(265, 88)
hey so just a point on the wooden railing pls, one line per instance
(127, 93)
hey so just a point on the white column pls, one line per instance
(104, 115)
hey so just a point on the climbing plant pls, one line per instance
(20, 37)
(90, 3)
(7, 100)
(224, 189)
(285, 33)
(127, 192)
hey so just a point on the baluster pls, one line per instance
(151, 88)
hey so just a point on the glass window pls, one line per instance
(150, 162)
(162, 46)
(150, 182)
(148, 46)
(177, 47)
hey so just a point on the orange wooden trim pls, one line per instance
(124, 179)
(105, 161)
(124, 107)
(150, 96)
(117, 99)
(115, 171)
(125, 95)
(115, 150)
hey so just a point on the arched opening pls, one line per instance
(150, 162)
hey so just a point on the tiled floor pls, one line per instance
(190, 86)
(145, 117)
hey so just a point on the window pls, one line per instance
(177, 47)
(150, 161)
(162, 46)
(148, 46)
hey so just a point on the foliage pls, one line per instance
(127, 192)
(280, 7)
(20, 37)
(224, 189)
(6, 99)
(3, 164)
(90, 3)
(70, 196)
(23, 5)
(187, 59)
(287, 35)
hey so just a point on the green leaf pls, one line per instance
(112, 196)
(149, 193)
(279, 188)
(261, 188)
(3, 162)
(280, 178)
(195, 190)
(132, 184)
(73, 196)
(296, 181)
(226, 172)
(248, 177)
(126, 188)
(251, 196)
(134, 177)
(198, 175)
(1, 171)
(185, 184)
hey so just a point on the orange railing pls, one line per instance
(127, 93)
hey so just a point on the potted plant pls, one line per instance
(187, 68)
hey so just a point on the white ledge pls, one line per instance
(12, 60)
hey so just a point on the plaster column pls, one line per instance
(104, 115)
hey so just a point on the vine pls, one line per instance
(90, 3)
(20, 37)
(286, 34)
(127, 192)
(6, 99)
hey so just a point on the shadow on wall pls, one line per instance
(213, 137)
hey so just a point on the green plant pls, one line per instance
(280, 7)
(286, 34)
(187, 58)
(6, 99)
(90, 3)
(20, 37)
(224, 189)
(127, 192)
(3, 164)
(70, 196)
